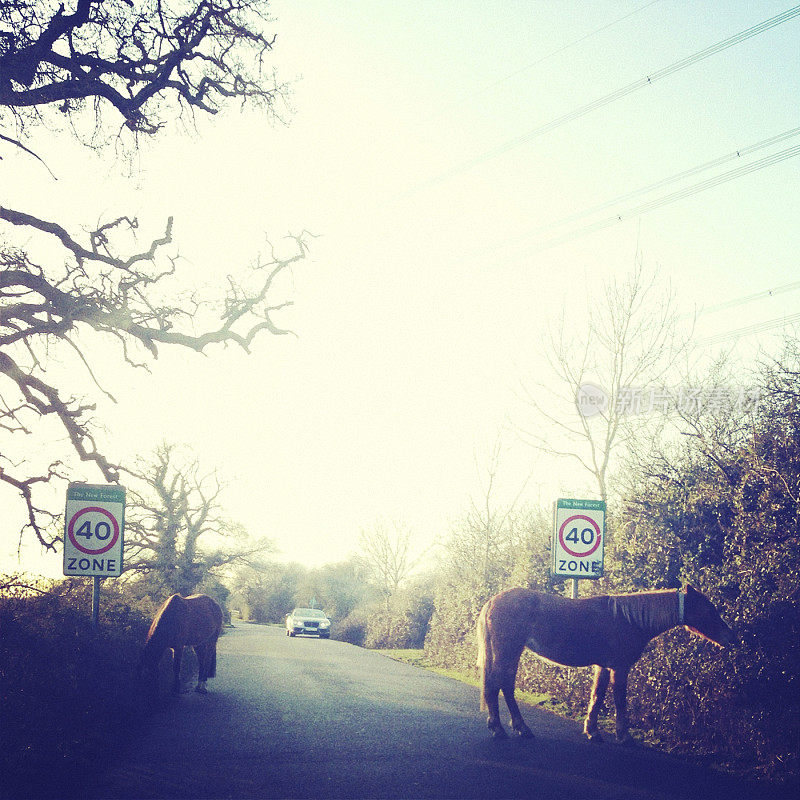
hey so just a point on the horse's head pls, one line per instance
(702, 618)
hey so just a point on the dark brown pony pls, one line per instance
(608, 631)
(194, 621)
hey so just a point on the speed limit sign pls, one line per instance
(94, 525)
(579, 538)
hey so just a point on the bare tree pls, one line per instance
(141, 58)
(489, 543)
(113, 297)
(143, 63)
(608, 375)
(172, 507)
(386, 550)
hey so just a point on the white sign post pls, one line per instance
(94, 527)
(578, 540)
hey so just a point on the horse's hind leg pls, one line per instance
(619, 684)
(176, 668)
(491, 698)
(203, 659)
(490, 686)
(601, 679)
(517, 723)
(500, 672)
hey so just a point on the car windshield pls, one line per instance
(314, 613)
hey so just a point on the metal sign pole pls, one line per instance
(96, 602)
(574, 590)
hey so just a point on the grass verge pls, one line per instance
(417, 659)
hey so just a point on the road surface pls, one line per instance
(309, 718)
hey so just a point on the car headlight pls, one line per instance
(325, 624)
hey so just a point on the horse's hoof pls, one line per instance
(594, 738)
(201, 690)
(525, 733)
(626, 741)
(499, 733)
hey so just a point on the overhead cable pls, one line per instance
(551, 54)
(616, 95)
(740, 301)
(681, 194)
(716, 162)
(759, 327)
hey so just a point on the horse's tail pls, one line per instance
(485, 653)
(217, 618)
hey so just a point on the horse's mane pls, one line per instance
(165, 613)
(162, 628)
(649, 611)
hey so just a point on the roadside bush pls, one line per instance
(402, 621)
(353, 628)
(484, 554)
(387, 628)
(419, 613)
(65, 689)
(451, 640)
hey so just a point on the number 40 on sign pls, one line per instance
(578, 538)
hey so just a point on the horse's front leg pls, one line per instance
(619, 685)
(176, 668)
(601, 678)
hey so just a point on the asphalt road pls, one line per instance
(308, 718)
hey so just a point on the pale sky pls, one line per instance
(421, 153)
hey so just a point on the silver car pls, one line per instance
(309, 621)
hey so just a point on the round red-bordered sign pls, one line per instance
(596, 538)
(93, 510)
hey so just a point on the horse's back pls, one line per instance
(187, 620)
(508, 616)
(571, 632)
(574, 633)
(204, 617)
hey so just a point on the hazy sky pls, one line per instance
(421, 152)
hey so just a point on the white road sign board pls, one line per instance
(94, 526)
(579, 538)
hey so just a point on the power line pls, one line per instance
(616, 95)
(544, 58)
(740, 301)
(716, 162)
(759, 327)
(681, 194)
(740, 153)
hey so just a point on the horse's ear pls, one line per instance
(689, 589)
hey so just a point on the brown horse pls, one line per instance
(194, 621)
(608, 631)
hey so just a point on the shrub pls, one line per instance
(353, 628)
(65, 688)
